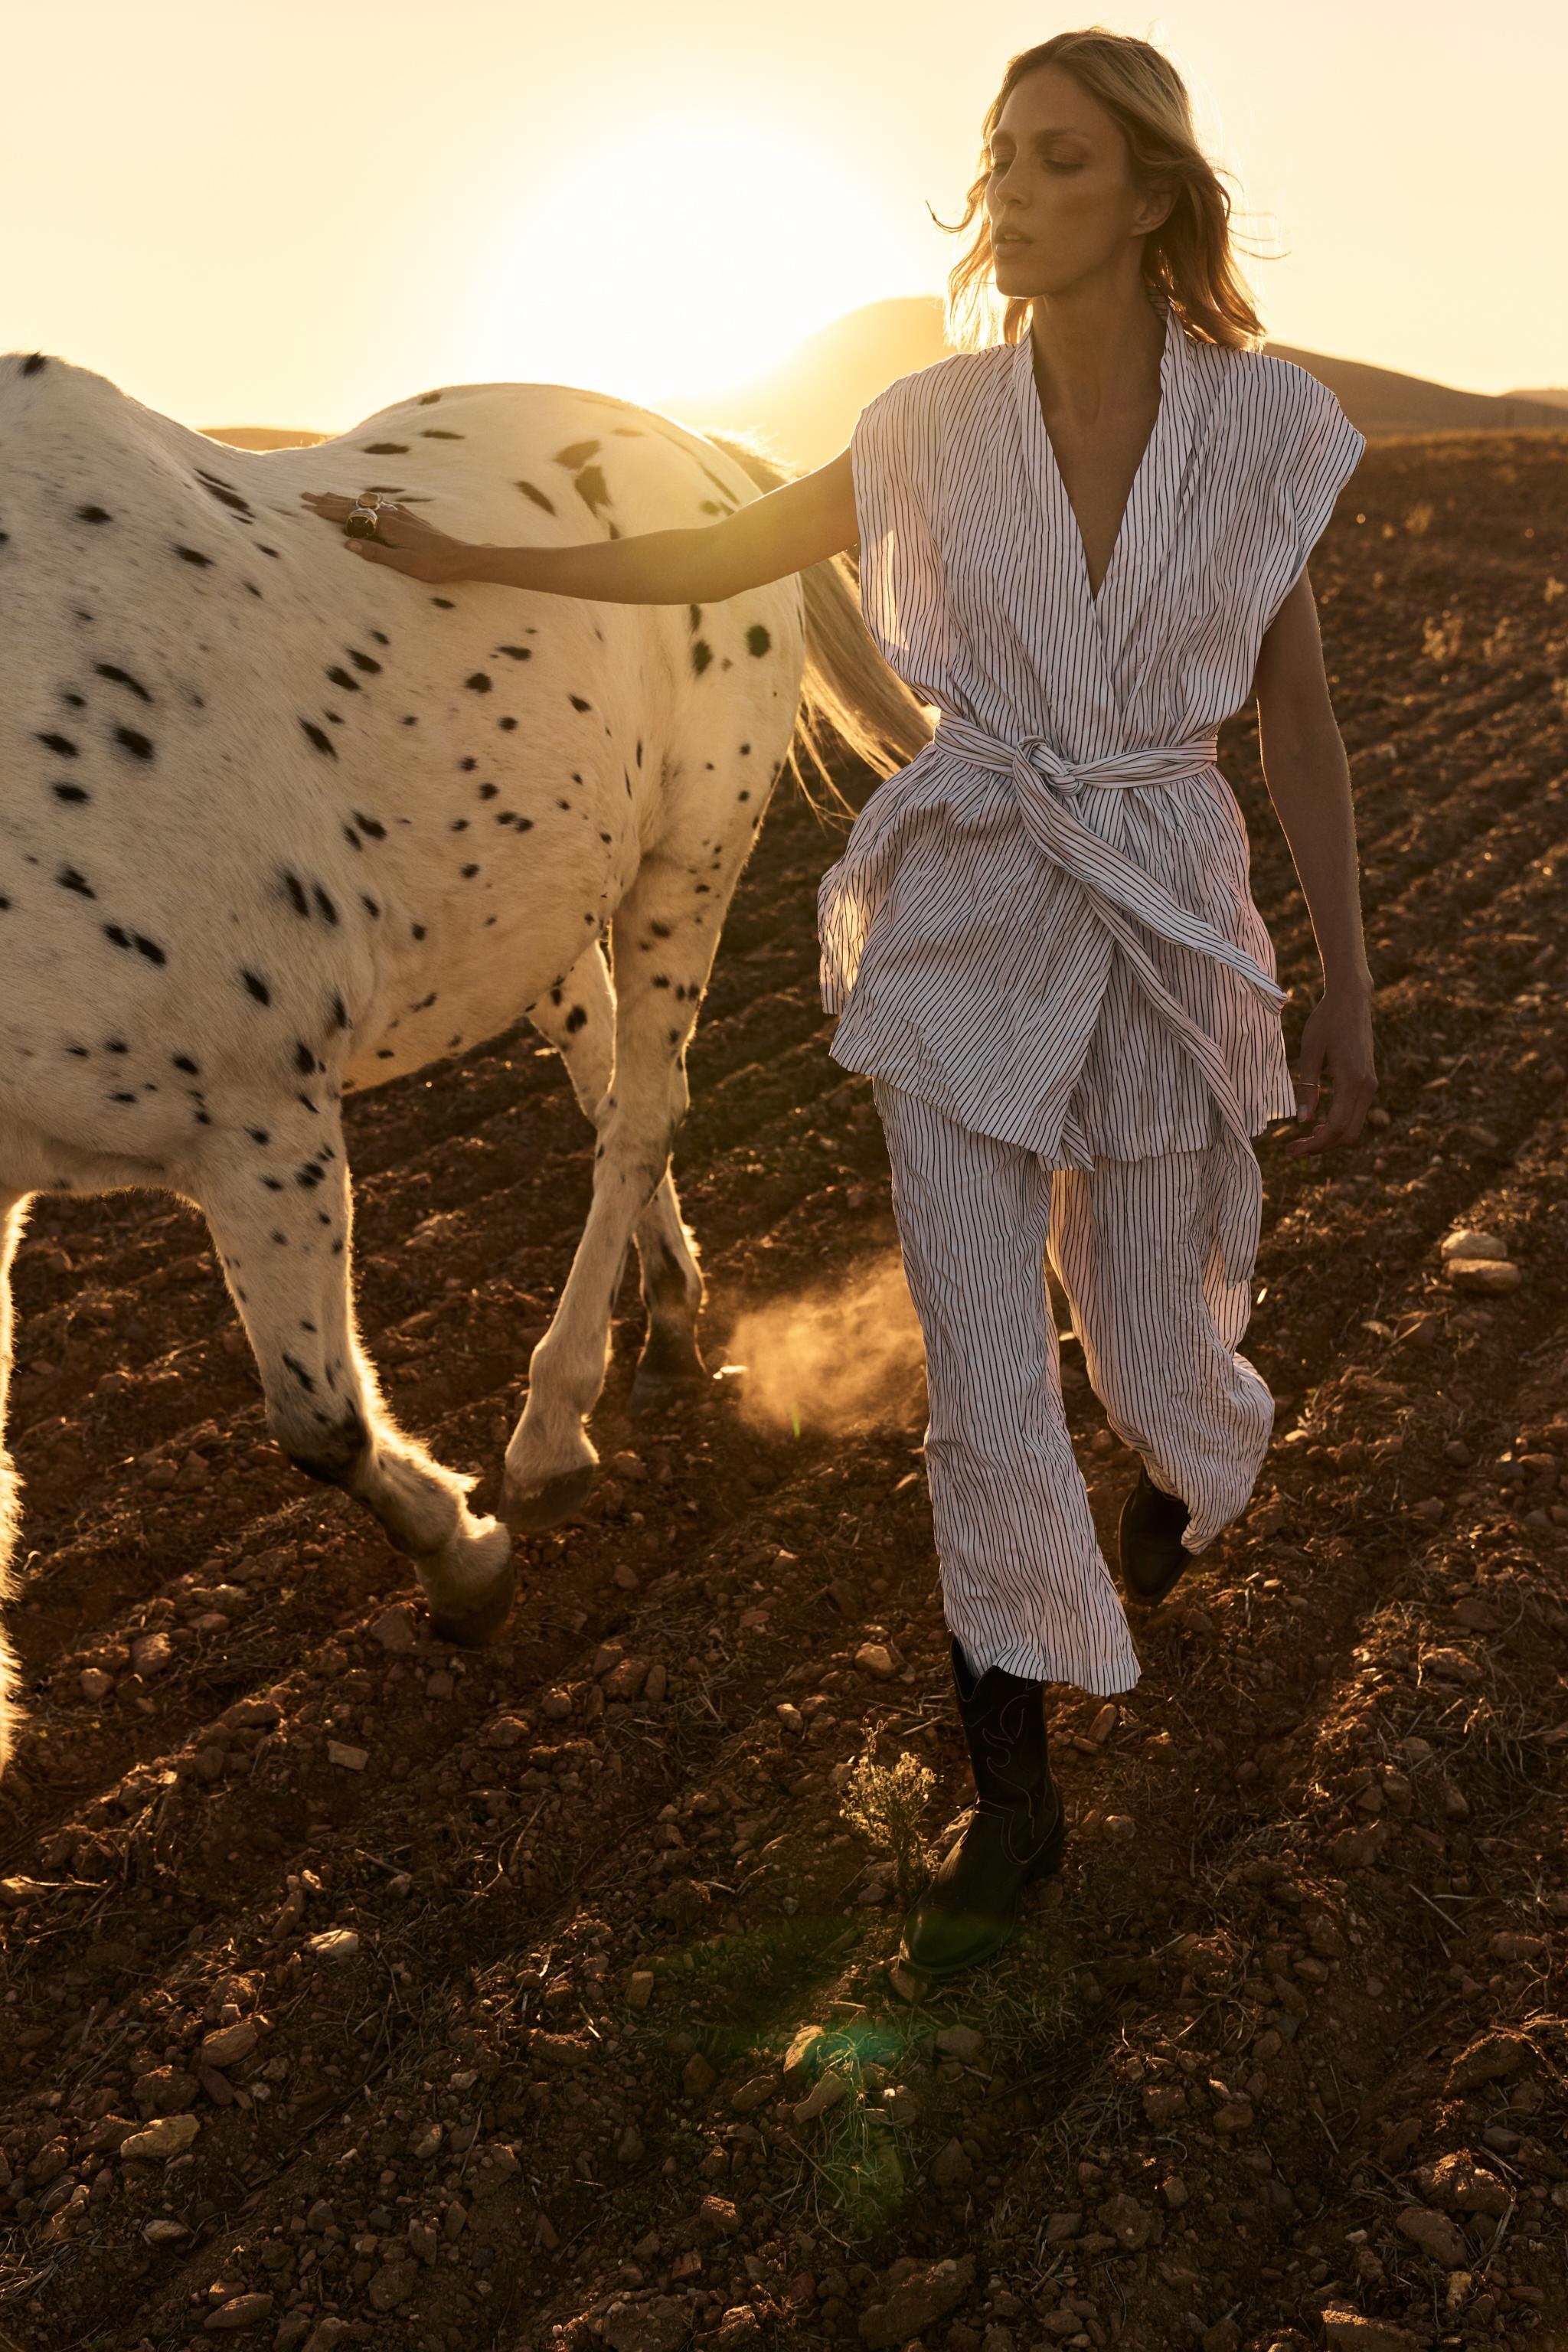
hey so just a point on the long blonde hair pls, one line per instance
(1188, 261)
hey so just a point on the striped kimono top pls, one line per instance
(1045, 925)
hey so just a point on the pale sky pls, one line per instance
(302, 213)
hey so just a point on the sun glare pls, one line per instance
(686, 259)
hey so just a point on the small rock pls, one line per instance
(1348, 2331)
(506, 1731)
(240, 2311)
(394, 1630)
(150, 1653)
(1469, 1244)
(950, 2167)
(1061, 2226)
(699, 2076)
(802, 2058)
(1459, 2184)
(876, 1658)
(164, 2233)
(164, 2091)
(392, 2285)
(631, 2148)
(167, 2135)
(825, 2093)
(1162, 2100)
(1488, 2060)
(347, 1758)
(1127, 2221)
(1491, 1276)
(1437, 2236)
(639, 1987)
(228, 2044)
(960, 2041)
(752, 2093)
(1234, 2115)
(94, 1684)
(717, 2214)
(1224, 2336)
(917, 2303)
(1506, 1946)
(327, 2334)
(1451, 1664)
(333, 1944)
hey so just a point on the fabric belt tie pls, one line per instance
(1045, 785)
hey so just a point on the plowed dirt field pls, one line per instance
(354, 1989)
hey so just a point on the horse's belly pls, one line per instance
(480, 969)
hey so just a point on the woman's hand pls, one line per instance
(402, 542)
(1338, 1037)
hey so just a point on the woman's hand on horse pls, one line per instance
(403, 542)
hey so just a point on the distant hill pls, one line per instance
(262, 437)
(1376, 400)
(806, 407)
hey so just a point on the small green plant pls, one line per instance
(884, 1802)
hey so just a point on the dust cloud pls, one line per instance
(845, 1356)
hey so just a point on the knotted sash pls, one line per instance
(1043, 785)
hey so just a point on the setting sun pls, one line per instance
(689, 254)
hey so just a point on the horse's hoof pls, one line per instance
(470, 1629)
(473, 1622)
(534, 1511)
(655, 1391)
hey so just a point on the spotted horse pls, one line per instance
(275, 825)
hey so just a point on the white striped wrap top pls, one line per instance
(1045, 923)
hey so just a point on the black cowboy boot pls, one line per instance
(1149, 1532)
(1014, 1832)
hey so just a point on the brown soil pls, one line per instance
(1308, 1940)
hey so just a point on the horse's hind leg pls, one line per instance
(281, 1227)
(13, 1211)
(579, 1019)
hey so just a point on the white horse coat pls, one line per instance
(275, 823)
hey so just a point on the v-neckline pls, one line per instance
(1155, 442)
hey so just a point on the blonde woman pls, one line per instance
(1086, 544)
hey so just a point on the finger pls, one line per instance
(328, 502)
(367, 550)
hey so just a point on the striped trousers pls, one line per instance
(1024, 1584)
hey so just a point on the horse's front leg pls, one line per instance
(664, 943)
(579, 1019)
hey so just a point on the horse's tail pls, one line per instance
(849, 697)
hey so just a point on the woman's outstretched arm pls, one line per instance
(790, 529)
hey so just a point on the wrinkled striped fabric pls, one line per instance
(1044, 925)
(1024, 1584)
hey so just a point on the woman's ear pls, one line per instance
(1158, 203)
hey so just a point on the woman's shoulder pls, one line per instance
(1261, 380)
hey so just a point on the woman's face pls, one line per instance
(1061, 199)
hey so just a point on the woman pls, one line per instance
(1087, 546)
